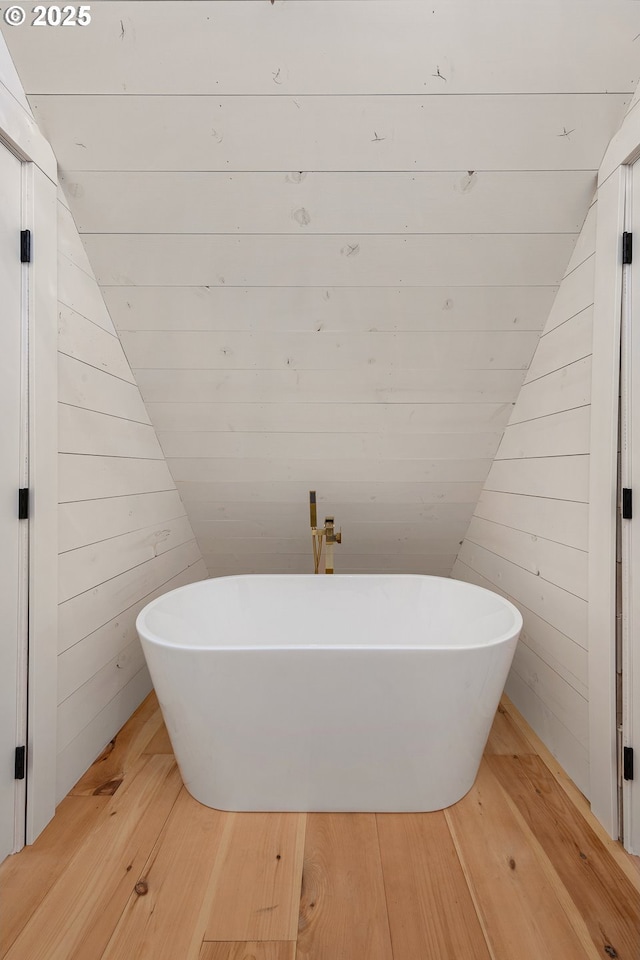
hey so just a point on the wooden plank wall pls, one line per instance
(124, 535)
(528, 535)
(329, 263)
(10, 80)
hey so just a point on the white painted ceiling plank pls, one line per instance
(363, 385)
(297, 492)
(378, 418)
(255, 546)
(334, 351)
(336, 470)
(330, 446)
(256, 514)
(457, 213)
(11, 82)
(296, 526)
(445, 202)
(308, 309)
(447, 48)
(438, 565)
(528, 132)
(377, 261)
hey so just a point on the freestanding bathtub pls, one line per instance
(342, 693)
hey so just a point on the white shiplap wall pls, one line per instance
(528, 536)
(298, 245)
(124, 535)
(330, 264)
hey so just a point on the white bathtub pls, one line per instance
(343, 693)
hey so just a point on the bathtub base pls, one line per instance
(331, 804)
(355, 746)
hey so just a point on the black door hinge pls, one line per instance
(25, 246)
(627, 503)
(627, 247)
(21, 762)
(23, 503)
(627, 763)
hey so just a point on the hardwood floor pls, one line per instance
(132, 867)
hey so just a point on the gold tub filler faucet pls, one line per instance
(329, 533)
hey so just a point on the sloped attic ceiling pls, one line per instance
(329, 233)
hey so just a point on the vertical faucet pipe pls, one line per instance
(316, 539)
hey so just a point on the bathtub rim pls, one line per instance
(144, 632)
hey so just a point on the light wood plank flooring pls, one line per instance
(132, 867)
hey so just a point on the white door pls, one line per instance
(13, 535)
(629, 658)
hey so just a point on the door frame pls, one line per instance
(629, 546)
(20, 134)
(623, 150)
